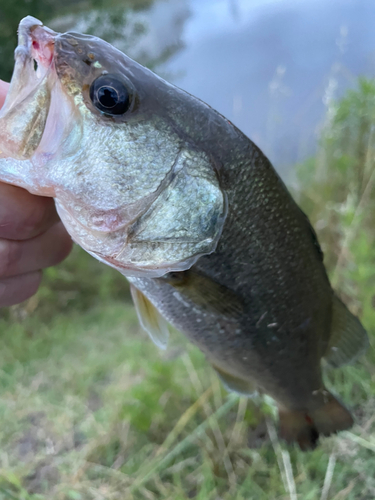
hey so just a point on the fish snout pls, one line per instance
(35, 41)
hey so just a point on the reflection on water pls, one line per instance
(271, 66)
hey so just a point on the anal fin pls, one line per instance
(235, 384)
(348, 339)
(150, 318)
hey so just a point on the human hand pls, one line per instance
(31, 239)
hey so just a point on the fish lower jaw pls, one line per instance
(141, 270)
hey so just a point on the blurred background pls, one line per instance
(89, 407)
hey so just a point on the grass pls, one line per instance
(91, 409)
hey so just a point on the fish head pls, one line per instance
(84, 123)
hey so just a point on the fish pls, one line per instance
(156, 184)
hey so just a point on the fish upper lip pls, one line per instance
(35, 44)
(36, 41)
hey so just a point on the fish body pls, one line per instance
(155, 183)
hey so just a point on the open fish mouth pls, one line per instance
(33, 58)
(38, 41)
(24, 114)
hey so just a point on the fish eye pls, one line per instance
(109, 95)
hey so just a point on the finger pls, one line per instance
(3, 91)
(19, 288)
(23, 215)
(47, 249)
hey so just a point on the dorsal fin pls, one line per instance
(348, 339)
(150, 318)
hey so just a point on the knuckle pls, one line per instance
(10, 255)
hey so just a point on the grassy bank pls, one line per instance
(91, 409)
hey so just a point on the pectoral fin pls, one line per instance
(206, 293)
(150, 318)
(348, 338)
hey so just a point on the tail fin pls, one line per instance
(305, 427)
(332, 417)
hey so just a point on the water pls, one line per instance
(270, 66)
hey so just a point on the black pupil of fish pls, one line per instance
(108, 97)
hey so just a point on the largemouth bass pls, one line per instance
(158, 185)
